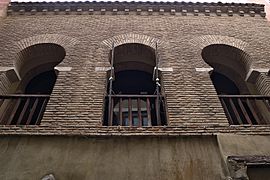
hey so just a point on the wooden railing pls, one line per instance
(134, 110)
(246, 109)
(22, 109)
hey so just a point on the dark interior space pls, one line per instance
(259, 172)
(223, 84)
(43, 83)
(133, 82)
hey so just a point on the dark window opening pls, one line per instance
(231, 67)
(238, 110)
(133, 82)
(42, 83)
(258, 172)
(134, 94)
(223, 84)
(28, 108)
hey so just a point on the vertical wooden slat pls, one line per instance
(14, 110)
(158, 111)
(111, 112)
(139, 112)
(244, 110)
(23, 111)
(33, 109)
(148, 112)
(41, 111)
(120, 113)
(227, 111)
(253, 112)
(235, 111)
(130, 111)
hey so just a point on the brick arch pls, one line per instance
(64, 41)
(206, 40)
(199, 43)
(132, 38)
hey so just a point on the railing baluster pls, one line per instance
(120, 112)
(235, 111)
(149, 112)
(139, 112)
(266, 104)
(227, 111)
(253, 112)
(32, 111)
(157, 111)
(26, 105)
(14, 110)
(41, 111)
(244, 110)
(130, 111)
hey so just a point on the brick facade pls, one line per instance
(86, 33)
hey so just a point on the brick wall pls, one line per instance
(76, 104)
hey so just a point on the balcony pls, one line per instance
(22, 109)
(134, 110)
(246, 109)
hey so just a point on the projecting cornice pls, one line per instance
(138, 8)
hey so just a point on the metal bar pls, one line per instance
(148, 112)
(157, 88)
(244, 96)
(226, 110)
(111, 113)
(41, 111)
(110, 87)
(244, 110)
(120, 113)
(130, 111)
(139, 112)
(235, 111)
(6, 96)
(26, 105)
(14, 110)
(32, 111)
(158, 111)
(133, 96)
(253, 112)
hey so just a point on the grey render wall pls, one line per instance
(71, 158)
(76, 104)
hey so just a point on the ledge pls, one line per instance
(136, 8)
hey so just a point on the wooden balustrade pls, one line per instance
(246, 109)
(135, 110)
(22, 109)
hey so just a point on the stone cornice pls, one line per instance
(138, 8)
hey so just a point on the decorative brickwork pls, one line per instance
(137, 8)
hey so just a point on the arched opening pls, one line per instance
(231, 66)
(134, 98)
(223, 84)
(35, 67)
